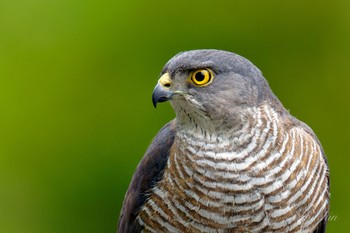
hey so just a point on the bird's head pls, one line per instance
(211, 88)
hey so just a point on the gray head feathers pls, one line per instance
(237, 85)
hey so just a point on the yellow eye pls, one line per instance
(201, 77)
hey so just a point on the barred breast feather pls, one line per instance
(267, 175)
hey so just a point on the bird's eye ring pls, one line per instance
(201, 77)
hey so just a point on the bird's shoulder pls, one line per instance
(147, 174)
(291, 123)
(307, 133)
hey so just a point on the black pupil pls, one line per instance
(200, 76)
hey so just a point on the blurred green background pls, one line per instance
(76, 79)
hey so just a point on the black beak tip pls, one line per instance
(159, 99)
(160, 95)
(154, 101)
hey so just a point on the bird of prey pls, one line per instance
(233, 160)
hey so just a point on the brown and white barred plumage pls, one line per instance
(233, 159)
(268, 169)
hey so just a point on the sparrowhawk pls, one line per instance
(233, 159)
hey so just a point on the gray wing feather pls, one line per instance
(321, 228)
(148, 173)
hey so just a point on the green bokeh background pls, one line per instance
(76, 79)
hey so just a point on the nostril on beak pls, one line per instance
(165, 80)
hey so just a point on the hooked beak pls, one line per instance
(161, 92)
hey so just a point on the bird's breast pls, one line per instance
(255, 179)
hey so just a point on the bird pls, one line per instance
(232, 160)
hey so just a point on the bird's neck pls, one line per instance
(255, 124)
(198, 123)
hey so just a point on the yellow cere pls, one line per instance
(165, 80)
